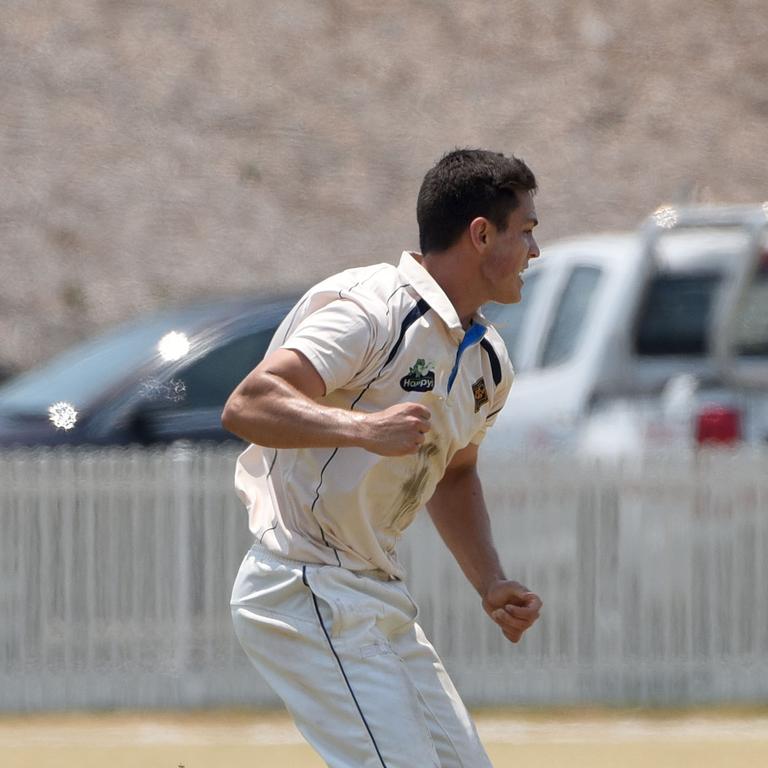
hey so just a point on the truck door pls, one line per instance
(742, 338)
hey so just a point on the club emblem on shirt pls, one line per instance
(480, 393)
(420, 378)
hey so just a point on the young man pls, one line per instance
(371, 402)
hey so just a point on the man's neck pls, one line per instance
(449, 271)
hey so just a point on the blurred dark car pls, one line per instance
(157, 380)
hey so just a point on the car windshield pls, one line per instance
(80, 374)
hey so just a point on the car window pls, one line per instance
(508, 319)
(751, 320)
(675, 315)
(208, 381)
(566, 330)
(89, 369)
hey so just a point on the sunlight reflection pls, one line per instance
(666, 216)
(173, 346)
(62, 415)
(152, 389)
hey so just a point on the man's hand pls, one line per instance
(513, 607)
(396, 431)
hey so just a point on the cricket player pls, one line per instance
(370, 404)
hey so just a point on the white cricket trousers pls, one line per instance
(344, 652)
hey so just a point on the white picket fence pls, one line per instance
(116, 568)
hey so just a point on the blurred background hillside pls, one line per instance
(157, 152)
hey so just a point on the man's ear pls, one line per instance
(480, 232)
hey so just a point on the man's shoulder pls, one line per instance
(375, 278)
(497, 349)
(380, 289)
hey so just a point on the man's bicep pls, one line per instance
(293, 367)
(465, 458)
(461, 473)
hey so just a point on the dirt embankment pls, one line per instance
(158, 151)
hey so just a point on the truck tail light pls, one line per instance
(718, 425)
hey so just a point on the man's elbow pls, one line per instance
(230, 416)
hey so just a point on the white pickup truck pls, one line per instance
(651, 339)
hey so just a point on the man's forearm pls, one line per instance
(458, 511)
(276, 415)
(277, 406)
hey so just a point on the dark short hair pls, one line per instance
(465, 184)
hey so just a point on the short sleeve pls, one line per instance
(339, 339)
(500, 394)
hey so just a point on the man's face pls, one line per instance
(509, 252)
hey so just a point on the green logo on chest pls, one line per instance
(420, 378)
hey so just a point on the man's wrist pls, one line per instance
(357, 431)
(485, 584)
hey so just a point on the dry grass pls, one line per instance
(711, 739)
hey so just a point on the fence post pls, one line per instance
(181, 462)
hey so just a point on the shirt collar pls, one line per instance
(428, 288)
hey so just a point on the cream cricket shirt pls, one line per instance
(378, 336)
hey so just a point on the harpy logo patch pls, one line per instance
(420, 378)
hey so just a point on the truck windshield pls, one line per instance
(675, 316)
(576, 301)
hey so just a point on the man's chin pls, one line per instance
(507, 299)
(509, 294)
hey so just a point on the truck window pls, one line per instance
(751, 320)
(675, 315)
(572, 310)
(508, 319)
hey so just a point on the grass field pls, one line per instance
(574, 739)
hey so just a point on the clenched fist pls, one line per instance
(397, 431)
(513, 607)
